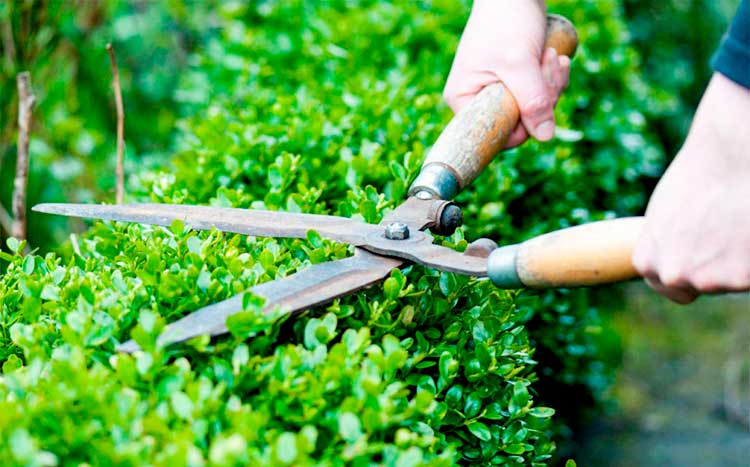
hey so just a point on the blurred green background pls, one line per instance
(62, 44)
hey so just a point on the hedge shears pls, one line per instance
(590, 254)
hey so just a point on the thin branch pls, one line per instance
(120, 172)
(9, 45)
(6, 222)
(734, 374)
(26, 101)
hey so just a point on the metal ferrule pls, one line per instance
(436, 180)
(501, 268)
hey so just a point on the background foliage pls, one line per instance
(307, 107)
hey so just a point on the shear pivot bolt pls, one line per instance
(397, 231)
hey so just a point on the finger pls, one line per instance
(460, 88)
(564, 62)
(518, 136)
(535, 101)
(555, 76)
(712, 280)
(551, 70)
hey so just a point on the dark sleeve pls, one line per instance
(733, 57)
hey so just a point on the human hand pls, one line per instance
(503, 41)
(697, 234)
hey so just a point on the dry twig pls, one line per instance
(6, 222)
(736, 377)
(26, 100)
(9, 45)
(120, 173)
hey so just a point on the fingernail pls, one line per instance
(545, 131)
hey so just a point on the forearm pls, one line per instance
(722, 116)
(697, 234)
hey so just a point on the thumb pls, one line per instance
(535, 101)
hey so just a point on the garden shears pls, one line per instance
(589, 254)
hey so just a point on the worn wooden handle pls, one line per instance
(482, 128)
(590, 254)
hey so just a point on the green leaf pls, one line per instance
(542, 412)
(480, 430)
(252, 302)
(228, 450)
(516, 449)
(480, 333)
(315, 239)
(13, 244)
(147, 321)
(391, 288)
(240, 358)
(286, 448)
(28, 265)
(204, 280)
(194, 245)
(50, 292)
(177, 227)
(119, 282)
(21, 445)
(11, 364)
(412, 457)
(349, 427)
(181, 404)
(472, 405)
(520, 394)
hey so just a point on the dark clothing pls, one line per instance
(733, 57)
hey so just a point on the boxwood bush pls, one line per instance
(328, 108)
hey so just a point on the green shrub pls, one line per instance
(324, 107)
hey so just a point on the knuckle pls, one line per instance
(707, 281)
(740, 280)
(715, 280)
(537, 107)
(673, 278)
(739, 284)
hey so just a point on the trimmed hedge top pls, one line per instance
(323, 107)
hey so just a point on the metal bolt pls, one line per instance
(424, 195)
(397, 231)
(451, 218)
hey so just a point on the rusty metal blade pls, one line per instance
(419, 248)
(315, 285)
(242, 221)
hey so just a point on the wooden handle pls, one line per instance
(590, 254)
(482, 128)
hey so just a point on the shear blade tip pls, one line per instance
(54, 208)
(44, 207)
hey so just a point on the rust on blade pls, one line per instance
(242, 221)
(375, 256)
(419, 248)
(418, 214)
(315, 285)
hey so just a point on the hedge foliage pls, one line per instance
(324, 107)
